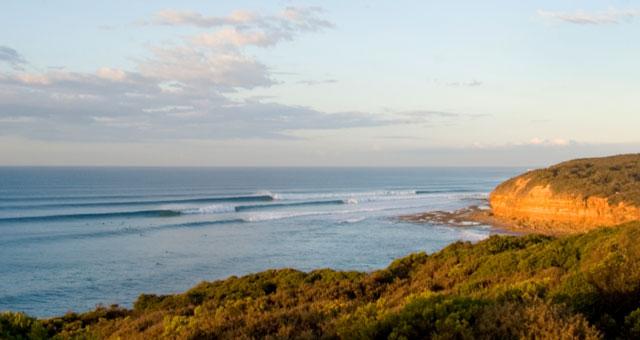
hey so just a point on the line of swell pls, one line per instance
(230, 199)
(450, 191)
(128, 231)
(241, 208)
(153, 213)
(86, 197)
(117, 232)
(139, 213)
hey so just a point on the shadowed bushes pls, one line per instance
(18, 326)
(531, 287)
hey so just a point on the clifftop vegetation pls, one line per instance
(616, 178)
(585, 286)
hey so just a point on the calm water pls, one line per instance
(71, 238)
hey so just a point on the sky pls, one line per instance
(317, 83)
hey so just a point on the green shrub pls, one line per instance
(578, 287)
(632, 324)
(17, 326)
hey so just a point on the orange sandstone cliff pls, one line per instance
(573, 196)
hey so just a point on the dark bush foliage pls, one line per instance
(18, 326)
(536, 287)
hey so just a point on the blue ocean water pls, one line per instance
(71, 238)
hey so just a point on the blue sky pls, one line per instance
(317, 83)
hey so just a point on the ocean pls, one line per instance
(75, 237)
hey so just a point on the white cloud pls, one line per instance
(182, 91)
(169, 108)
(317, 82)
(204, 68)
(548, 142)
(172, 17)
(233, 37)
(33, 79)
(290, 20)
(77, 106)
(305, 18)
(610, 16)
(467, 83)
(242, 28)
(111, 74)
(533, 142)
(216, 58)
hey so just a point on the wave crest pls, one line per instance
(211, 209)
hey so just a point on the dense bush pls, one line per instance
(532, 287)
(17, 326)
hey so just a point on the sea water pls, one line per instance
(72, 238)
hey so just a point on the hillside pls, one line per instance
(573, 196)
(584, 286)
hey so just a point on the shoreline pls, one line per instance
(474, 215)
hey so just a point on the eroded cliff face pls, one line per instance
(540, 208)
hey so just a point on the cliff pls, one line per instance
(573, 196)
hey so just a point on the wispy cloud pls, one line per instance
(514, 154)
(610, 16)
(110, 106)
(216, 57)
(301, 18)
(242, 28)
(181, 90)
(12, 57)
(469, 83)
(533, 142)
(205, 68)
(549, 142)
(429, 115)
(172, 17)
(16, 120)
(235, 37)
(317, 82)
(466, 83)
(114, 105)
(150, 100)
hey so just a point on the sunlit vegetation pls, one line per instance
(616, 178)
(585, 286)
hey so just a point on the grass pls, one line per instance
(584, 286)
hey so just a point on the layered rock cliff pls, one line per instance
(573, 196)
